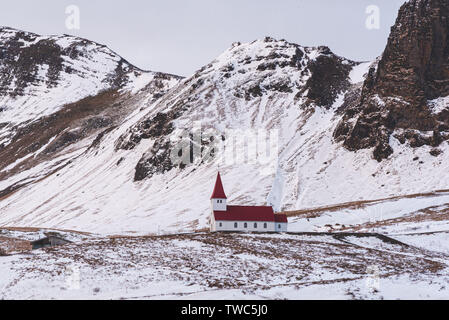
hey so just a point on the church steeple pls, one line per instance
(218, 192)
(218, 197)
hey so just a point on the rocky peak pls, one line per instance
(27, 59)
(268, 66)
(56, 91)
(41, 74)
(398, 98)
(249, 85)
(415, 63)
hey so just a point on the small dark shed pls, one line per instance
(49, 241)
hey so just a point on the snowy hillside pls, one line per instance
(126, 182)
(40, 74)
(104, 179)
(57, 94)
(228, 266)
(119, 161)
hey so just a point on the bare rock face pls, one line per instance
(399, 97)
(328, 77)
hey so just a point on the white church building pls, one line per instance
(225, 217)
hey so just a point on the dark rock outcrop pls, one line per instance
(413, 70)
(329, 77)
(24, 55)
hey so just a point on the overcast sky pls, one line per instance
(180, 36)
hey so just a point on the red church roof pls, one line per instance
(242, 213)
(218, 189)
(280, 218)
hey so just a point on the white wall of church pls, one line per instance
(281, 227)
(212, 226)
(252, 226)
(218, 204)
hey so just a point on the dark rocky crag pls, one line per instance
(329, 77)
(22, 54)
(414, 69)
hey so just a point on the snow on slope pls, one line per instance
(435, 241)
(358, 73)
(438, 105)
(86, 69)
(267, 85)
(421, 220)
(97, 194)
(218, 266)
(400, 215)
(57, 93)
(41, 74)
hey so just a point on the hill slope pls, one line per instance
(129, 180)
(57, 94)
(228, 266)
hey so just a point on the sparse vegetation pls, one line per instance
(222, 261)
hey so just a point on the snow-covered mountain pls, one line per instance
(128, 174)
(122, 177)
(59, 92)
(40, 74)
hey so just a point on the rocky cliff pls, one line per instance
(406, 95)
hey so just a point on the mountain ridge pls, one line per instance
(332, 147)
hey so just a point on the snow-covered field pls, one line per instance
(227, 266)
(419, 213)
